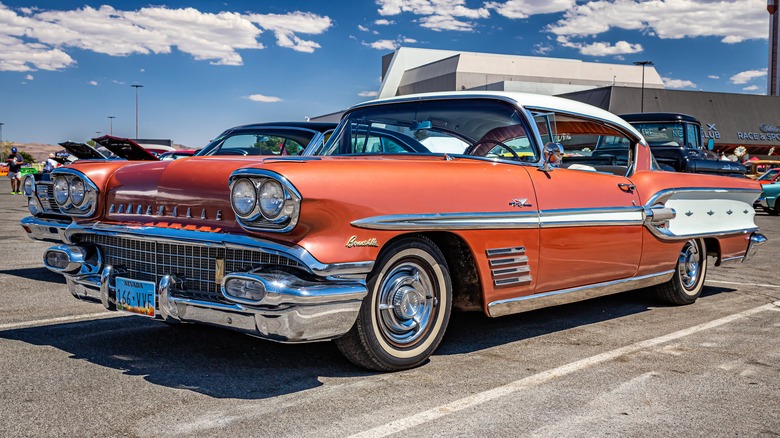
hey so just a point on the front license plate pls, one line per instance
(135, 296)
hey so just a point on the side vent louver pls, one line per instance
(509, 266)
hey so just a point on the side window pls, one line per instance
(692, 136)
(592, 145)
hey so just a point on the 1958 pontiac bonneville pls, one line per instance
(416, 205)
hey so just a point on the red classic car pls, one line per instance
(415, 206)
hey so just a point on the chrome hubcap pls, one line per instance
(689, 265)
(406, 303)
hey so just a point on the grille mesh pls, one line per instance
(45, 192)
(195, 264)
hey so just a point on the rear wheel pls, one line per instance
(405, 313)
(688, 279)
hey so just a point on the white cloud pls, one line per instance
(526, 8)
(601, 48)
(39, 39)
(383, 22)
(93, 83)
(263, 98)
(362, 28)
(678, 83)
(285, 27)
(747, 76)
(368, 94)
(383, 45)
(732, 20)
(542, 49)
(713, 76)
(408, 40)
(436, 15)
(29, 77)
(751, 88)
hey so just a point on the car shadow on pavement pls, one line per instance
(39, 274)
(225, 364)
(473, 331)
(211, 361)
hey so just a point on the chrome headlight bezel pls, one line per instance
(64, 182)
(279, 220)
(237, 197)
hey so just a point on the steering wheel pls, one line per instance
(477, 145)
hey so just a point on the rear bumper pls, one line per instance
(46, 229)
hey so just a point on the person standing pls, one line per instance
(15, 162)
(51, 163)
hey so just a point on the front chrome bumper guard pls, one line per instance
(300, 314)
(46, 229)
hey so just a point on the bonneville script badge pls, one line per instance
(354, 242)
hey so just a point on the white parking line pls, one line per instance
(744, 284)
(501, 391)
(59, 320)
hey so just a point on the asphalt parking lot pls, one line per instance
(623, 365)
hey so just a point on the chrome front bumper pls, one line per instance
(46, 229)
(301, 314)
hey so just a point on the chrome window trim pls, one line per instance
(352, 269)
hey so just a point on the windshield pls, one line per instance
(481, 127)
(259, 141)
(770, 175)
(670, 134)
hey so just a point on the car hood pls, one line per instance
(82, 151)
(125, 148)
(193, 191)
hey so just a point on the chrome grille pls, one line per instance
(194, 264)
(45, 192)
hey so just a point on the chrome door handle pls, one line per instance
(626, 187)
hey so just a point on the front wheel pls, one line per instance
(405, 313)
(688, 279)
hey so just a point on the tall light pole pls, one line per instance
(643, 64)
(111, 125)
(136, 86)
(1, 132)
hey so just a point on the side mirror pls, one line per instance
(552, 154)
(710, 144)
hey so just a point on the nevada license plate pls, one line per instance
(135, 296)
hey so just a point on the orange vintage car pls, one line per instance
(416, 205)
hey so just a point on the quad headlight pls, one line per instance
(264, 201)
(244, 197)
(74, 193)
(28, 185)
(61, 190)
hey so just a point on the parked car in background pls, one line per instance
(768, 199)
(178, 153)
(770, 176)
(415, 206)
(756, 168)
(676, 141)
(48, 221)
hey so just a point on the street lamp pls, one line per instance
(136, 86)
(1, 132)
(111, 125)
(643, 64)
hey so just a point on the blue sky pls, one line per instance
(66, 66)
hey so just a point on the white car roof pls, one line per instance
(525, 100)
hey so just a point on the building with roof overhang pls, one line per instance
(730, 119)
(411, 70)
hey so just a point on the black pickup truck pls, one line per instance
(676, 141)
